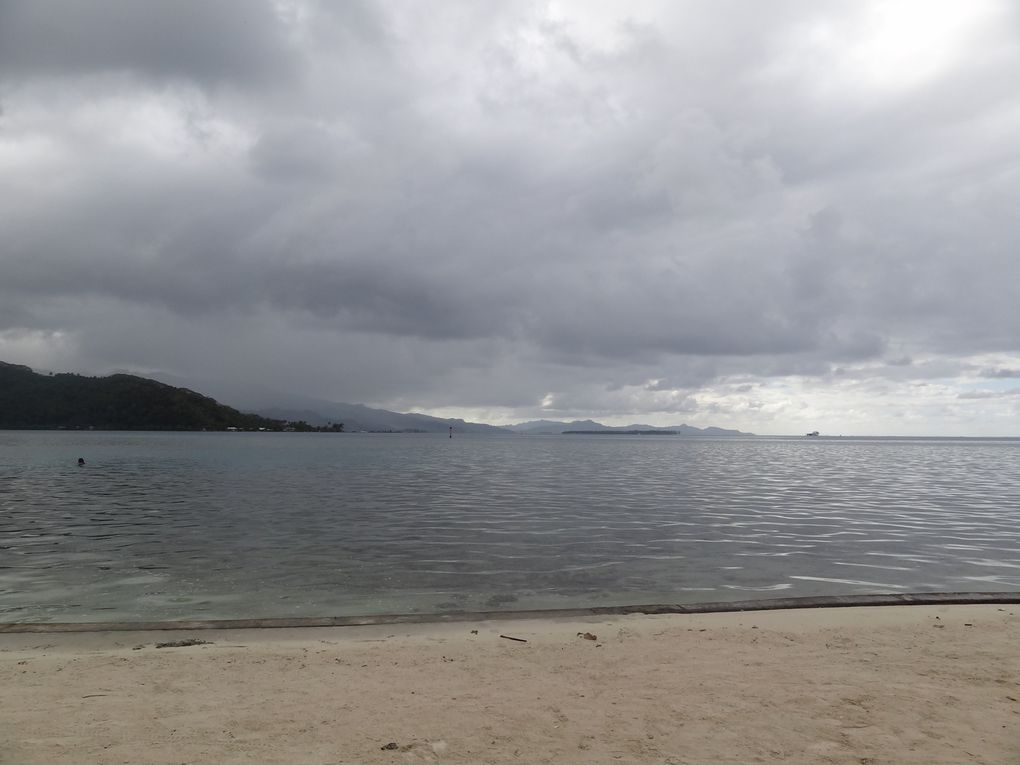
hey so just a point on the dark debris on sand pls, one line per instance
(183, 643)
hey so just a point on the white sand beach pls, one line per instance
(898, 685)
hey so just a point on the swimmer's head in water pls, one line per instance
(81, 460)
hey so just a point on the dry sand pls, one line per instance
(892, 685)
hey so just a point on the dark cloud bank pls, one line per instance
(757, 217)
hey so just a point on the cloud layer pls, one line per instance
(760, 217)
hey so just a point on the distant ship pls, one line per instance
(812, 434)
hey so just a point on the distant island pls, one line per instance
(66, 401)
(590, 427)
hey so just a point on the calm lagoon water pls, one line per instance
(223, 525)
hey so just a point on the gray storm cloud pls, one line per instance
(189, 40)
(514, 208)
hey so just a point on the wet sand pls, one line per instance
(898, 685)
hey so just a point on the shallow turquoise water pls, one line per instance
(217, 525)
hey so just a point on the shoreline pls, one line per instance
(866, 684)
(741, 606)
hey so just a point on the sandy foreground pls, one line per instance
(916, 684)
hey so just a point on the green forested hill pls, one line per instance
(117, 402)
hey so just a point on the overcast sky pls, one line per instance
(777, 216)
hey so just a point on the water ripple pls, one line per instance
(161, 526)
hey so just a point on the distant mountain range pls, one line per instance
(123, 401)
(549, 427)
(357, 417)
(320, 412)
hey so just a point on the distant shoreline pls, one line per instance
(507, 432)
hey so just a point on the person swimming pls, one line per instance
(81, 461)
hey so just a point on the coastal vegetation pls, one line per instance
(31, 400)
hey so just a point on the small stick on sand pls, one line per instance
(519, 640)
